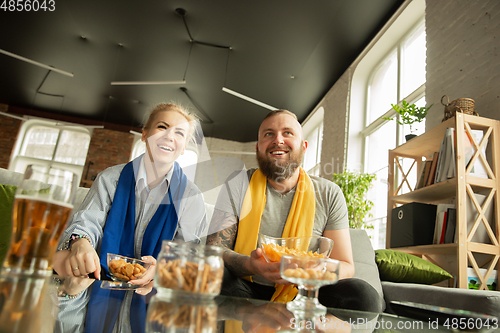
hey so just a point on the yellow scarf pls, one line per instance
(299, 223)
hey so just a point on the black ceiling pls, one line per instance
(285, 53)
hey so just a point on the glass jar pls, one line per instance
(181, 315)
(189, 269)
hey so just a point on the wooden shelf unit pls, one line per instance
(459, 189)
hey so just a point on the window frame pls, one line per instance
(314, 121)
(370, 128)
(18, 161)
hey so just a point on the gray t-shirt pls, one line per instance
(330, 212)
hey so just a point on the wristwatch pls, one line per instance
(67, 244)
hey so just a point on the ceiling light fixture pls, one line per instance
(249, 99)
(135, 133)
(36, 63)
(12, 116)
(145, 83)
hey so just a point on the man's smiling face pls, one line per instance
(280, 146)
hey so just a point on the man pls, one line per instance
(280, 200)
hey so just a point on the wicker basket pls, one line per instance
(464, 105)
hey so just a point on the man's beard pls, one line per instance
(278, 170)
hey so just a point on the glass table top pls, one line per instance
(58, 304)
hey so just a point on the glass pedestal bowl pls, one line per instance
(312, 246)
(309, 274)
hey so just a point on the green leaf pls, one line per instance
(354, 186)
(409, 113)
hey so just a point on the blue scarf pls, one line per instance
(118, 237)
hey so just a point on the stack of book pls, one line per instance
(446, 221)
(442, 165)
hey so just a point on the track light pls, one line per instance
(246, 98)
(145, 83)
(36, 63)
(12, 116)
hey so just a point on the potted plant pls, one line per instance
(355, 185)
(409, 114)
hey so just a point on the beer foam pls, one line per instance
(38, 198)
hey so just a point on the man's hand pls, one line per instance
(83, 260)
(265, 318)
(269, 270)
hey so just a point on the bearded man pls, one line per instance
(280, 200)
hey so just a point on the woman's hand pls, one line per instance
(83, 260)
(150, 273)
(74, 286)
(269, 270)
(144, 290)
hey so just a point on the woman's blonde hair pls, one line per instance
(171, 107)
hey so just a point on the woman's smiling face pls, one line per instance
(166, 138)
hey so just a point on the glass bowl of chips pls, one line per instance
(124, 269)
(189, 269)
(308, 274)
(311, 246)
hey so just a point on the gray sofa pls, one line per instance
(487, 302)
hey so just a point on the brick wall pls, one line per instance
(9, 128)
(335, 105)
(463, 39)
(107, 148)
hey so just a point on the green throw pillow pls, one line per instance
(396, 266)
(6, 201)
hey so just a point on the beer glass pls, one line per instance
(23, 301)
(42, 206)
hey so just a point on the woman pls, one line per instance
(131, 208)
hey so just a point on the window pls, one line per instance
(312, 156)
(43, 142)
(399, 76)
(313, 134)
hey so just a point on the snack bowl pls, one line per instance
(309, 274)
(311, 246)
(123, 268)
(309, 271)
(188, 269)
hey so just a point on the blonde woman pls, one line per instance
(131, 208)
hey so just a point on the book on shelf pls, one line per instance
(439, 162)
(423, 174)
(432, 171)
(440, 226)
(446, 167)
(478, 169)
(446, 222)
(451, 224)
(452, 149)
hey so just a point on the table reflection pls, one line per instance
(21, 303)
(186, 315)
(65, 305)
